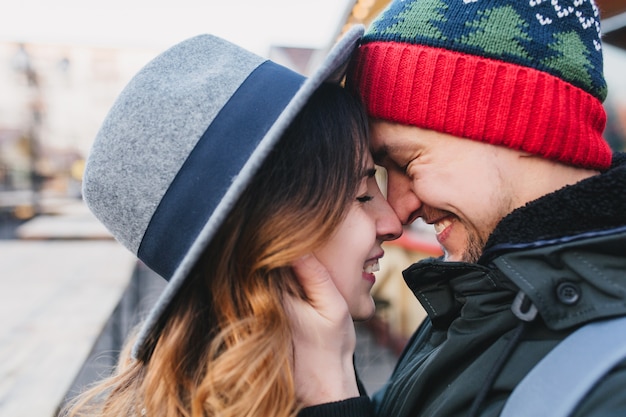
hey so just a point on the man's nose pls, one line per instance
(402, 197)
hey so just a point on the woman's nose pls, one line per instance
(388, 226)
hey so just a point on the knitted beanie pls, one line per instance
(522, 74)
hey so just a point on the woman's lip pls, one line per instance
(373, 265)
(370, 277)
(376, 257)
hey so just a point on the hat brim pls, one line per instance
(332, 69)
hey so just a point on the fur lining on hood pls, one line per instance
(593, 205)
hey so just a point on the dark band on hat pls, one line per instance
(190, 200)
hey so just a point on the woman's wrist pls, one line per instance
(325, 381)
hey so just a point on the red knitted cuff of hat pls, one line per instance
(482, 99)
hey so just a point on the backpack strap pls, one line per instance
(560, 380)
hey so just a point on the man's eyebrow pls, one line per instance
(380, 154)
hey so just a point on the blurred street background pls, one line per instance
(68, 292)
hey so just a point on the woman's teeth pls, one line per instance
(375, 267)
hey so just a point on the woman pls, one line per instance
(223, 212)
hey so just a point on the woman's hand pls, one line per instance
(323, 337)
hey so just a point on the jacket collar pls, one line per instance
(574, 282)
(446, 288)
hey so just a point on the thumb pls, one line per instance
(317, 282)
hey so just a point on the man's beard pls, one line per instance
(475, 247)
(473, 251)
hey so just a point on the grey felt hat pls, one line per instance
(181, 143)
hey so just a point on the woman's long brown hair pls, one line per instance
(225, 349)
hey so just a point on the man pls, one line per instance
(488, 118)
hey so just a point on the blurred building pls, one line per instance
(53, 100)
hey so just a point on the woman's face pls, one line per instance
(351, 255)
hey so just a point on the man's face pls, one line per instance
(462, 187)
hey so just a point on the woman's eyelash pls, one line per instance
(365, 198)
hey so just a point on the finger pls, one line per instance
(310, 270)
(315, 279)
(319, 287)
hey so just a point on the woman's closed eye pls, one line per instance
(368, 177)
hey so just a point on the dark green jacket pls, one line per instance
(567, 253)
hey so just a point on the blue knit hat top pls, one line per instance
(560, 37)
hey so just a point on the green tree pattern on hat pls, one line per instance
(414, 22)
(502, 23)
(572, 58)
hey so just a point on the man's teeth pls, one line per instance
(372, 268)
(440, 226)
